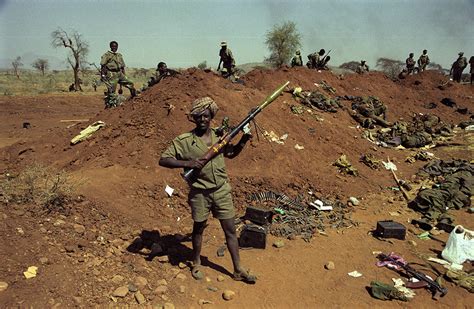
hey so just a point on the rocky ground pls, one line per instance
(121, 240)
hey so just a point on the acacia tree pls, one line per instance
(16, 64)
(390, 67)
(78, 50)
(282, 41)
(41, 65)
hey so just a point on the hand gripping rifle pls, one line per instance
(103, 78)
(432, 285)
(218, 147)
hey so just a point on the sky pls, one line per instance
(184, 33)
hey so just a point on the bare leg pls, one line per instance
(228, 225)
(198, 230)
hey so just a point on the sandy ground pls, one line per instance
(81, 251)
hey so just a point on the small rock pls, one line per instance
(44, 260)
(182, 289)
(220, 278)
(168, 306)
(204, 301)
(132, 287)
(43, 230)
(20, 231)
(156, 249)
(78, 300)
(117, 279)
(59, 222)
(161, 289)
(208, 279)
(279, 244)
(212, 288)
(140, 298)
(181, 276)
(79, 229)
(120, 291)
(228, 295)
(413, 243)
(141, 282)
(163, 259)
(69, 248)
(3, 286)
(182, 265)
(354, 201)
(161, 282)
(330, 265)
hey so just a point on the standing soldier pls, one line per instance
(471, 61)
(226, 58)
(410, 62)
(362, 68)
(297, 61)
(423, 61)
(112, 68)
(458, 66)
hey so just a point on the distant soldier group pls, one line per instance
(318, 60)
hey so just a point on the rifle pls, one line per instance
(432, 285)
(103, 78)
(218, 147)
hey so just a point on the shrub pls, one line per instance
(39, 185)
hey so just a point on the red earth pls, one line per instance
(122, 194)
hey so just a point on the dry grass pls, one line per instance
(39, 185)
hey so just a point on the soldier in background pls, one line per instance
(458, 66)
(423, 61)
(162, 72)
(471, 61)
(362, 67)
(314, 59)
(410, 62)
(112, 69)
(226, 58)
(297, 61)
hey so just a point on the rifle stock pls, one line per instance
(219, 146)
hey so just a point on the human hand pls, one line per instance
(196, 164)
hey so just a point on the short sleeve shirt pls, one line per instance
(189, 146)
(112, 61)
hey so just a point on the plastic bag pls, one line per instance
(460, 246)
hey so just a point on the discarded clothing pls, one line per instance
(345, 166)
(385, 291)
(87, 132)
(462, 279)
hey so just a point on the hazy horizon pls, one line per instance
(186, 33)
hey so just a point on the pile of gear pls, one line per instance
(292, 217)
(316, 99)
(453, 188)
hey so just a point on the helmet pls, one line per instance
(223, 43)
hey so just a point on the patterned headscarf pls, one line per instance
(201, 104)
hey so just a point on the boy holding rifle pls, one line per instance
(210, 190)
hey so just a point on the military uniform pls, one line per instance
(362, 68)
(410, 62)
(313, 60)
(114, 64)
(423, 61)
(458, 66)
(297, 61)
(227, 59)
(210, 191)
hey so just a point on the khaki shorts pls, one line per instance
(218, 201)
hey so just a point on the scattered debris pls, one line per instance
(169, 190)
(355, 274)
(345, 166)
(87, 132)
(30, 272)
(228, 295)
(330, 265)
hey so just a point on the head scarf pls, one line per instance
(200, 105)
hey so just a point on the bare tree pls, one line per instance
(282, 41)
(78, 51)
(16, 64)
(351, 65)
(41, 65)
(390, 67)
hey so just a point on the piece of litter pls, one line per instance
(424, 236)
(376, 252)
(31, 272)
(389, 166)
(318, 204)
(298, 147)
(355, 274)
(169, 190)
(394, 214)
